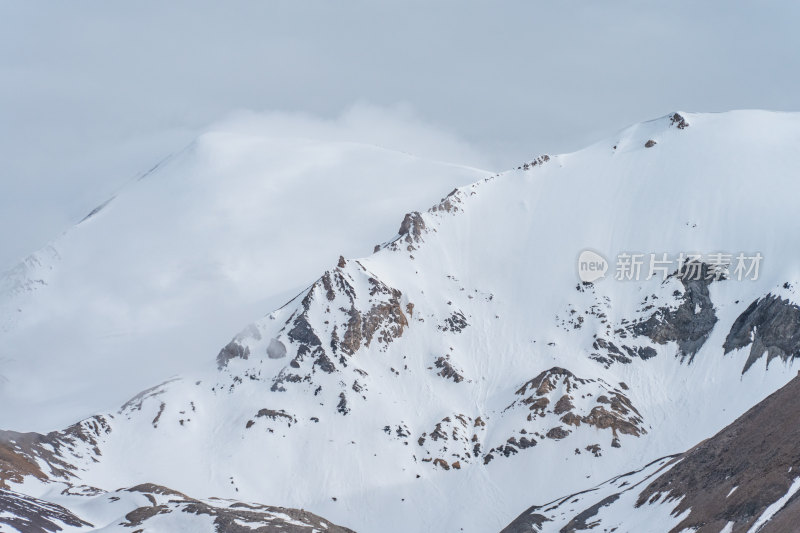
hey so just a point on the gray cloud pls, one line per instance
(95, 92)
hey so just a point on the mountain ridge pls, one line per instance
(387, 384)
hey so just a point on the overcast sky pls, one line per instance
(93, 92)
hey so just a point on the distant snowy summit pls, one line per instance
(219, 233)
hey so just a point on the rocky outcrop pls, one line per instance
(233, 350)
(610, 409)
(556, 401)
(456, 322)
(678, 121)
(608, 352)
(769, 325)
(411, 230)
(447, 370)
(455, 439)
(273, 415)
(541, 160)
(349, 308)
(690, 324)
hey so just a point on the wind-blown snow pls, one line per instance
(163, 274)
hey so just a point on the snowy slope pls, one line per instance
(159, 276)
(462, 371)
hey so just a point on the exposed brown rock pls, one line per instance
(563, 405)
(557, 433)
(442, 463)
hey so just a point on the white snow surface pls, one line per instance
(160, 277)
(506, 259)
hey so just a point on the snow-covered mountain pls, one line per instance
(462, 371)
(215, 235)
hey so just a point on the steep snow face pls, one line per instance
(463, 371)
(159, 276)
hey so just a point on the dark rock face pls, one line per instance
(563, 405)
(412, 225)
(771, 325)
(678, 121)
(232, 350)
(342, 405)
(453, 441)
(557, 433)
(456, 323)
(273, 414)
(526, 523)
(357, 319)
(24, 513)
(303, 333)
(581, 521)
(447, 370)
(623, 354)
(411, 230)
(691, 323)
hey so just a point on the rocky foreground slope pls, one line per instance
(463, 370)
(745, 478)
